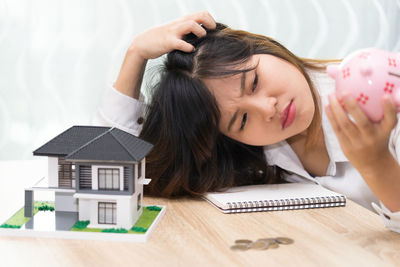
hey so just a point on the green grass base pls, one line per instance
(143, 223)
(18, 219)
(145, 220)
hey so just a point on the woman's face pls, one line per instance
(266, 105)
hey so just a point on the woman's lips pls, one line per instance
(288, 115)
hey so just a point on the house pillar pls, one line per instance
(28, 208)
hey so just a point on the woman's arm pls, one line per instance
(383, 178)
(131, 75)
(155, 43)
(366, 145)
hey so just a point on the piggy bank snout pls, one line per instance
(366, 71)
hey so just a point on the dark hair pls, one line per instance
(190, 155)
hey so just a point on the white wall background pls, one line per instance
(57, 56)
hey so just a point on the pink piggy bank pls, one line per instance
(368, 74)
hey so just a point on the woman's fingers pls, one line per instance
(163, 39)
(192, 26)
(203, 17)
(183, 46)
(183, 28)
(389, 114)
(362, 121)
(343, 122)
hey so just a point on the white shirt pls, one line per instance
(122, 111)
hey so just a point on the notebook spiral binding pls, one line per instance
(287, 204)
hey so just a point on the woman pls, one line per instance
(233, 108)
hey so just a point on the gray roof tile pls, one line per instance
(69, 140)
(96, 144)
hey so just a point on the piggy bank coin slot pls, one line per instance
(394, 74)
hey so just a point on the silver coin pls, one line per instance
(259, 245)
(273, 245)
(240, 247)
(284, 240)
(243, 241)
(269, 240)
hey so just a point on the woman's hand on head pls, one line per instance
(160, 40)
(363, 142)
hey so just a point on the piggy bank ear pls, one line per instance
(332, 70)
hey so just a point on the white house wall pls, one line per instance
(65, 202)
(94, 212)
(84, 209)
(127, 213)
(143, 162)
(124, 216)
(143, 171)
(52, 171)
(139, 187)
(135, 172)
(138, 190)
(135, 211)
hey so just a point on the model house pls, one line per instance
(98, 172)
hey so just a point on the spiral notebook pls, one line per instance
(272, 197)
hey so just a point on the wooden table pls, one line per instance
(194, 233)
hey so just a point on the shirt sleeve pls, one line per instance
(391, 219)
(121, 111)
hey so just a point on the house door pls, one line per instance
(107, 213)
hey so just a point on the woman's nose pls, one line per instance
(266, 107)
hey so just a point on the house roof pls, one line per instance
(93, 143)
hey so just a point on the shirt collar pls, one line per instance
(281, 154)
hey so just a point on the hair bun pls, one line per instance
(178, 60)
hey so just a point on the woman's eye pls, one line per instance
(244, 119)
(255, 82)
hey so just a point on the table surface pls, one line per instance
(196, 233)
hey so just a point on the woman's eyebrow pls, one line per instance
(242, 87)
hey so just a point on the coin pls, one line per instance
(243, 241)
(273, 245)
(269, 240)
(240, 247)
(259, 245)
(284, 240)
(272, 242)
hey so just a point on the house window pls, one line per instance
(138, 201)
(107, 213)
(85, 176)
(66, 173)
(108, 179)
